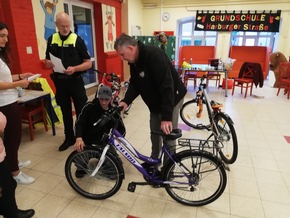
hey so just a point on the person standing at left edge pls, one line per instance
(73, 52)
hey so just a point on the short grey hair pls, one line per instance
(125, 39)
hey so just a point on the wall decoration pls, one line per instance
(49, 9)
(44, 19)
(109, 27)
(238, 21)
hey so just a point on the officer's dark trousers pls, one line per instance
(67, 90)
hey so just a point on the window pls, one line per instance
(253, 39)
(187, 35)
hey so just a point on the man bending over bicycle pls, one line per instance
(85, 131)
(154, 78)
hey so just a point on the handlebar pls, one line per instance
(113, 75)
(109, 115)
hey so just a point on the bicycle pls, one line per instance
(193, 114)
(190, 177)
(113, 81)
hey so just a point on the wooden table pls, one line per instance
(33, 95)
(205, 68)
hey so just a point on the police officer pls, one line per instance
(69, 84)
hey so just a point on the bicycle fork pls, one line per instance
(101, 161)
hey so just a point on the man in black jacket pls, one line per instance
(156, 80)
(85, 130)
(88, 130)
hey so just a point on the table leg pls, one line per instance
(51, 114)
(226, 90)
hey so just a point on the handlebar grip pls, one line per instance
(120, 108)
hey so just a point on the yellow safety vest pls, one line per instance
(46, 87)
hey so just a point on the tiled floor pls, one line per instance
(258, 183)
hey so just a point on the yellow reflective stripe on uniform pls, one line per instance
(72, 39)
(46, 87)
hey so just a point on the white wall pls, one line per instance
(135, 15)
(150, 20)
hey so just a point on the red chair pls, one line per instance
(284, 78)
(190, 75)
(246, 77)
(213, 62)
(33, 113)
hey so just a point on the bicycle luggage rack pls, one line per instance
(197, 144)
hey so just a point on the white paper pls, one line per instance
(33, 77)
(58, 66)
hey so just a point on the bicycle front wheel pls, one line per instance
(79, 167)
(188, 114)
(226, 137)
(196, 179)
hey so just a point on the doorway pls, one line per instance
(83, 24)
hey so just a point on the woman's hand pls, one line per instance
(23, 83)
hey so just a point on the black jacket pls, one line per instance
(154, 78)
(90, 114)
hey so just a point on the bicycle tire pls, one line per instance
(104, 184)
(202, 175)
(227, 137)
(188, 114)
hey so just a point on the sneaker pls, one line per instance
(66, 144)
(22, 164)
(80, 173)
(23, 179)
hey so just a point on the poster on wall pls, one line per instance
(238, 21)
(44, 12)
(109, 27)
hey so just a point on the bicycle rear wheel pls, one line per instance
(200, 178)
(104, 184)
(188, 114)
(227, 137)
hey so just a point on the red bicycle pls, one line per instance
(113, 81)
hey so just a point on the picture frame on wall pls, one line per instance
(109, 27)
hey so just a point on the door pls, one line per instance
(83, 24)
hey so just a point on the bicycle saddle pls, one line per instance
(175, 134)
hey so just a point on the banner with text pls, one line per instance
(238, 21)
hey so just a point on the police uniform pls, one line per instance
(72, 50)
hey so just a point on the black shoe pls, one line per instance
(148, 167)
(66, 144)
(25, 213)
(80, 173)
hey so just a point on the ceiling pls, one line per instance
(171, 3)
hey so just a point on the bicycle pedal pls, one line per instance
(154, 185)
(131, 187)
